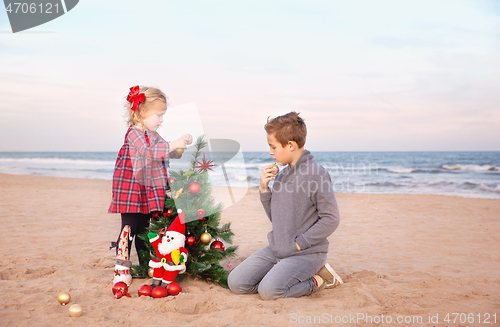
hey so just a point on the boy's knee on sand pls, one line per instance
(235, 284)
(270, 291)
(231, 282)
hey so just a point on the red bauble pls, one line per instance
(145, 290)
(168, 213)
(200, 213)
(159, 292)
(217, 245)
(120, 289)
(171, 179)
(194, 187)
(174, 288)
(190, 240)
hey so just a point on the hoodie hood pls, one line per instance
(304, 158)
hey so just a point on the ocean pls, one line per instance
(466, 174)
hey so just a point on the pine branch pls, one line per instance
(200, 144)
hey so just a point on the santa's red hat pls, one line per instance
(178, 224)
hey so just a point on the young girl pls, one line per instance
(140, 175)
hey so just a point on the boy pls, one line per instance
(303, 212)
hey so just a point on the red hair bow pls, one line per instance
(135, 97)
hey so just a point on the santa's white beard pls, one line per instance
(166, 247)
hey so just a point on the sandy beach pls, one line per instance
(416, 256)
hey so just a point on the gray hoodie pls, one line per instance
(302, 208)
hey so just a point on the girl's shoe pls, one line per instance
(122, 276)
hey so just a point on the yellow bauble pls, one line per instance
(150, 272)
(64, 298)
(206, 238)
(75, 310)
(179, 151)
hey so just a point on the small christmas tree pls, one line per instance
(191, 191)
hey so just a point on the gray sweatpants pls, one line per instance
(276, 278)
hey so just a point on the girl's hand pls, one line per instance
(266, 176)
(187, 138)
(181, 143)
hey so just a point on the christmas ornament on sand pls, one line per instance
(63, 298)
(159, 292)
(75, 310)
(174, 288)
(145, 290)
(120, 290)
(171, 255)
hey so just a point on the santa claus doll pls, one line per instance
(171, 255)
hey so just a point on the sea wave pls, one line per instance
(382, 184)
(57, 161)
(242, 178)
(485, 187)
(402, 170)
(434, 183)
(471, 167)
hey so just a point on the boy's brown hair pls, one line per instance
(288, 127)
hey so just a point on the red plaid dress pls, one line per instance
(140, 176)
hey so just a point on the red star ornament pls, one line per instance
(205, 165)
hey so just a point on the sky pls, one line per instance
(364, 75)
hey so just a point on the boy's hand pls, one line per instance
(265, 177)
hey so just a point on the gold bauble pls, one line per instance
(64, 298)
(75, 310)
(276, 169)
(206, 238)
(150, 272)
(179, 151)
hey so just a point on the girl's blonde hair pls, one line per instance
(151, 94)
